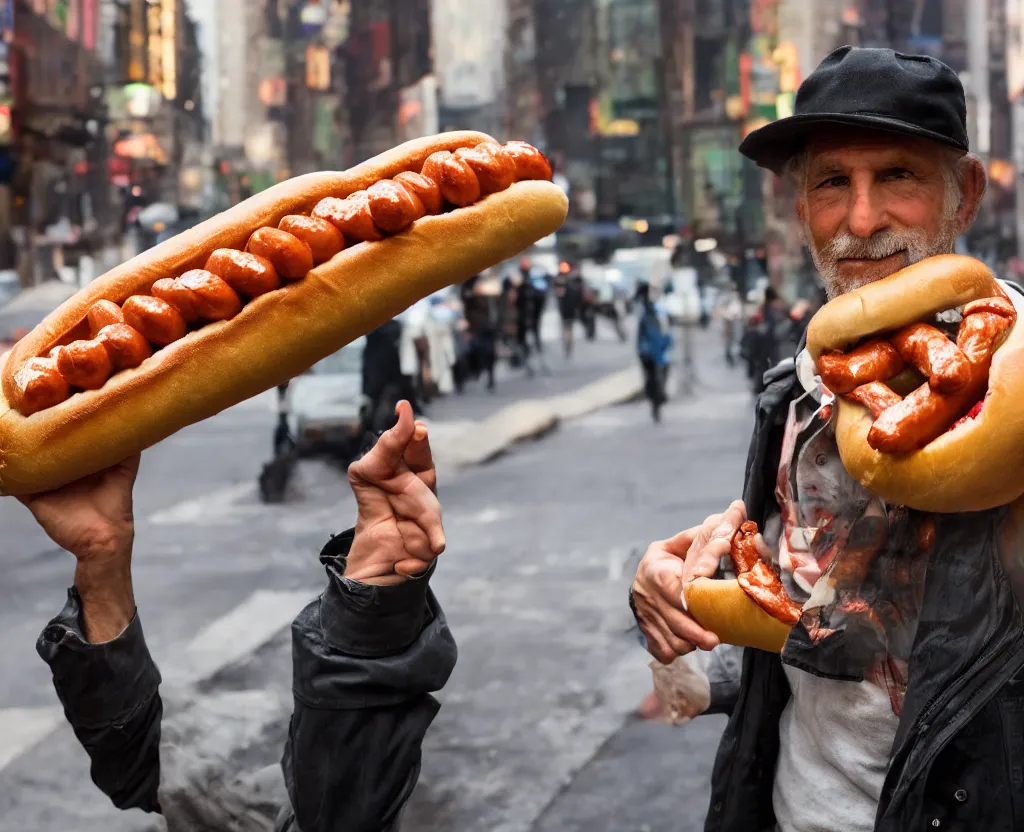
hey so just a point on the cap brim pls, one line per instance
(776, 143)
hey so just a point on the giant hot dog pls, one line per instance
(955, 441)
(256, 295)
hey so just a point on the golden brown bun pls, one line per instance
(276, 336)
(723, 608)
(910, 295)
(230, 229)
(977, 466)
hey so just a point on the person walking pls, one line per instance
(569, 293)
(480, 308)
(653, 345)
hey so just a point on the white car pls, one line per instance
(325, 406)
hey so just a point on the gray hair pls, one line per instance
(954, 171)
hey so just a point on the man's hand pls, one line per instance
(92, 519)
(666, 568)
(398, 530)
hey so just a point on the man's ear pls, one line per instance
(972, 191)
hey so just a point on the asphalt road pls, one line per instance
(535, 731)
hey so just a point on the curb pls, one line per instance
(464, 444)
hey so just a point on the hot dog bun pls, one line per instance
(723, 608)
(276, 336)
(977, 465)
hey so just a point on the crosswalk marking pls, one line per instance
(23, 728)
(223, 642)
(236, 635)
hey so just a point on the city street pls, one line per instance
(535, 732)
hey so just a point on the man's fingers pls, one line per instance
(419, 458)
(129, 469)
(704, 562)
(689, 631)
(415, 541)
(714, 541)
(384, 458)
(679, 544)
(411, 568)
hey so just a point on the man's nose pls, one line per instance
(867, 211)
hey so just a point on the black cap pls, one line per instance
(913, 95)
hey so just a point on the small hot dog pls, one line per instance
(85, 364)
(323, 239)
(289, 255)
(158, 321)
(103, 313)
(246, 273)
(125, 346)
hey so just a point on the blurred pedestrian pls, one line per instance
(569, 293)
(480, 307)
(771, 337)
(523, 304)
(730, 310)
(367, 654)
(540, 283)
(384, 383)
(653, 345)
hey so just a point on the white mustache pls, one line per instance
(876, 247)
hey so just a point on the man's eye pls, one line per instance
(834, 182)
(897, 174)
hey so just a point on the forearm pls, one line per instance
(109, 691)
(107, 597)
(366, 659)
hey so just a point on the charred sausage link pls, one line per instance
(757, 578)
(876, 360)
(957, 376)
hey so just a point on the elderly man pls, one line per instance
(910, 715)
(366, 654)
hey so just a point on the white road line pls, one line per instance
(23, 728)
(236, 635)
(216, 508)
(225, 641)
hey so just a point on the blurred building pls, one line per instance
(53, 196)
(720, 82)
(522, 97)
(388, 75)
(469, 62)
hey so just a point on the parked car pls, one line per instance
(326, 406)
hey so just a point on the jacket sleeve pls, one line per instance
(365, 660)
(110, 696)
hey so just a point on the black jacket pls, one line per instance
(365, 659)
(958, 756)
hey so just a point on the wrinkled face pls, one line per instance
(873, 203)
